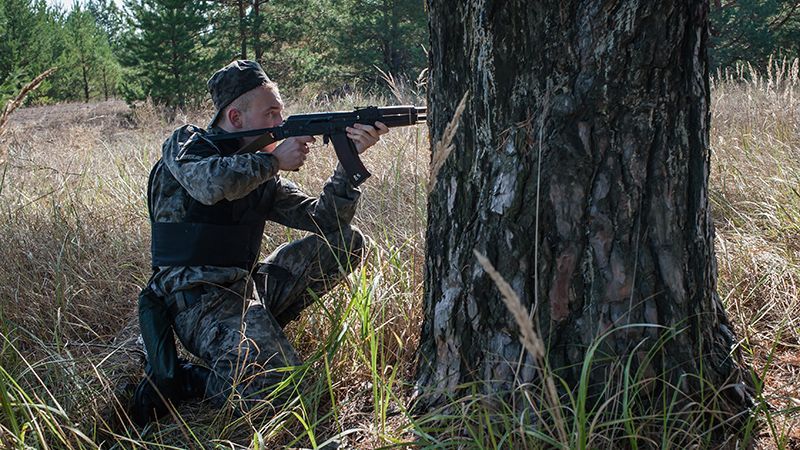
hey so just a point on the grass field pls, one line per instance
(74, 246)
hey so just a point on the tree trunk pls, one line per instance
(176, 77)
(242, 28)
(390, 38)
(580, 170)
(85, 76)
(105, 81)
(258, 49)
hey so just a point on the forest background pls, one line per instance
(160, 49)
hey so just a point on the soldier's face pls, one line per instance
(265, 111)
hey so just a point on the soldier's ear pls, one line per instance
(234, 117)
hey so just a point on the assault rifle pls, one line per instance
(331, 125)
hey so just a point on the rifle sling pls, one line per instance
(256, 145)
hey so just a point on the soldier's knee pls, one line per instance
(349, 243)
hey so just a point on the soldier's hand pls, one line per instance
(292, 152)
(365, 136)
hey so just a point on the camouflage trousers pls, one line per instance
(241, 338)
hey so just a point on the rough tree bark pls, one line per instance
(596, 112)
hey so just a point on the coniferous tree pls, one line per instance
(5, 85)
(238, 23)
(86, 53)
(17, 16)
(294, 41)
(109, 72)
(109, 18)
(232, 27)
(30, 40)
(20, 40)
(753, 30)
(257, 21)
(391, 37)
(582, 176)
(324, 43)
(170, 51)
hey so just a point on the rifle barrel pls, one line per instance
(398, 116)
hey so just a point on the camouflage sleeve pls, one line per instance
(331, 211)
(209, 176)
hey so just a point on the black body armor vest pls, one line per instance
(227, 233)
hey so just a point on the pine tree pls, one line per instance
(232, 27)
(109, 72)
(581, 175)
(19, 37)
(170, 52)
(753, 30)
(109, 18)
(29, 43)
(390, 37)
(86, 52)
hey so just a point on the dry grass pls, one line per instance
(74, 238)
(755, 193)
(74, 244)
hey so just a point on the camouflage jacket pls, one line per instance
(194, 169)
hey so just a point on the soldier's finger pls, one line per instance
(356, 136)
(369, 129)
(305, 139)
(382, 128)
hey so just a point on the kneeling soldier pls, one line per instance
(208, 206)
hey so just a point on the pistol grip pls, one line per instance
(348, 156)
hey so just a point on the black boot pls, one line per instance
(195, 378)
(147, 404)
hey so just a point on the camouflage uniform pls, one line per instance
(217, 316)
